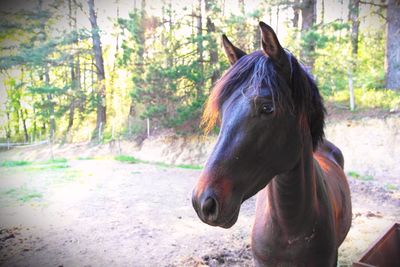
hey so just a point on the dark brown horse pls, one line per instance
(271, 140)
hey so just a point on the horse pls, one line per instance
(271, 142)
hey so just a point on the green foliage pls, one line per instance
(60, 163)
(358, 176)
(369, 98)
(162, 68)
(85, 158)
(130, 159)
(333, 58)
(14, 163)
(188, 166)
(391, 187)
(23, 194)
(126, 159)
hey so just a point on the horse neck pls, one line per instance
(292, 196)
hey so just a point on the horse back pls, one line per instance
(330, 160)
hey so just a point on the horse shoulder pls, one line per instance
(337, 189)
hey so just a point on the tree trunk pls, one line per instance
(213, 47)
(99, 63)
(277, 18)
(256, 36)
(23, 118)
(392, 59)
(296, 11)
(323, 11)
(354, 9)
(72, 97)
(8, 125)
(241, 35)
(74, 67)
(308, 14)
(139, 57)
(34, 125)
(200, 50)
(51, 105)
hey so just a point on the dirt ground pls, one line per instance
(107, 213)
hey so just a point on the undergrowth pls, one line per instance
(369, 98)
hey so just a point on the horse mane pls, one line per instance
(300, 95)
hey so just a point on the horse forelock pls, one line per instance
(249, 74)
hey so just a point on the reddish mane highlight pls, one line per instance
(211, 111)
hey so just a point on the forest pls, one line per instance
(150, 65)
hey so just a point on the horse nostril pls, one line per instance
(209, 209)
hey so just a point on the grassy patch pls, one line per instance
(369, 98)
(43, 167)
(127, 159)
(60, 163)
(59, 160)
(53, 164)
(130, 159)
(85, 158)
(189, 166)
(358, 176)
(14, 163)
(23, 194)
(391, 187)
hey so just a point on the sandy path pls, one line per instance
(115, 214)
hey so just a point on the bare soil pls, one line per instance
(100, 212)
(107, 213)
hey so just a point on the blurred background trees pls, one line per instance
(65, 77)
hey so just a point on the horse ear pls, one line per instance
(233, 53)
(271, 46)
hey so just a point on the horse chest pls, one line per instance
(279, 251)
(311, 248)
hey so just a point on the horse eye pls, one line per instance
(267, 108)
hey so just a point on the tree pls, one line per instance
(296, 11)
(200, 48)
(309, 16)
(99, 63)
(74, 64)
(392, 58)
(354, 9)
(212, 42)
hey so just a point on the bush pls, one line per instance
(369, 98)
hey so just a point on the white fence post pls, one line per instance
(101, 124)
(148, 127)
(51, 146)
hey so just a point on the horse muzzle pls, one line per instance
(213, 210)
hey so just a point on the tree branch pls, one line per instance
(373, 4)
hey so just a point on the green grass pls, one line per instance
(391, 187)
(358, 176)
(85, 158)
(369, 98)
(23, 194)
(53, 164)
(42, 167)
(130, 159)
(59, 163)
(14, 163)
(127, 159)
(59, 160)
(189, 166)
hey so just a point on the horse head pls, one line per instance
(261, 127)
